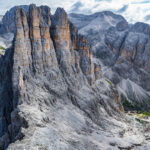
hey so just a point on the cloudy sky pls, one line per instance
(132, 10)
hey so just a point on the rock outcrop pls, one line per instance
(48, 78)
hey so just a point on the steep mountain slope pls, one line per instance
(48, 86)
(53, 94)
(123, 51)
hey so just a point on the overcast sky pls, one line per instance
(132, 10)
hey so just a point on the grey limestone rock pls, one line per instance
(48, 75)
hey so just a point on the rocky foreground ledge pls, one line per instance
(52, 94)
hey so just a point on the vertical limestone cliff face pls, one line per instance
(81, 44)
(66, 39)
(48, 74)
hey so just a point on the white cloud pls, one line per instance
(132, 10)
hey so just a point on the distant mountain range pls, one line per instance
(123, 50)
(132, 10)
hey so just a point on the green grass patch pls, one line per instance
(140, 121)
(143, 114)
(127, 104)
(2, 48)
(108, 81)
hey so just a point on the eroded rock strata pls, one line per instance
(49, 94)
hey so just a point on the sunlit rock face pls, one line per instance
(49, 81)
